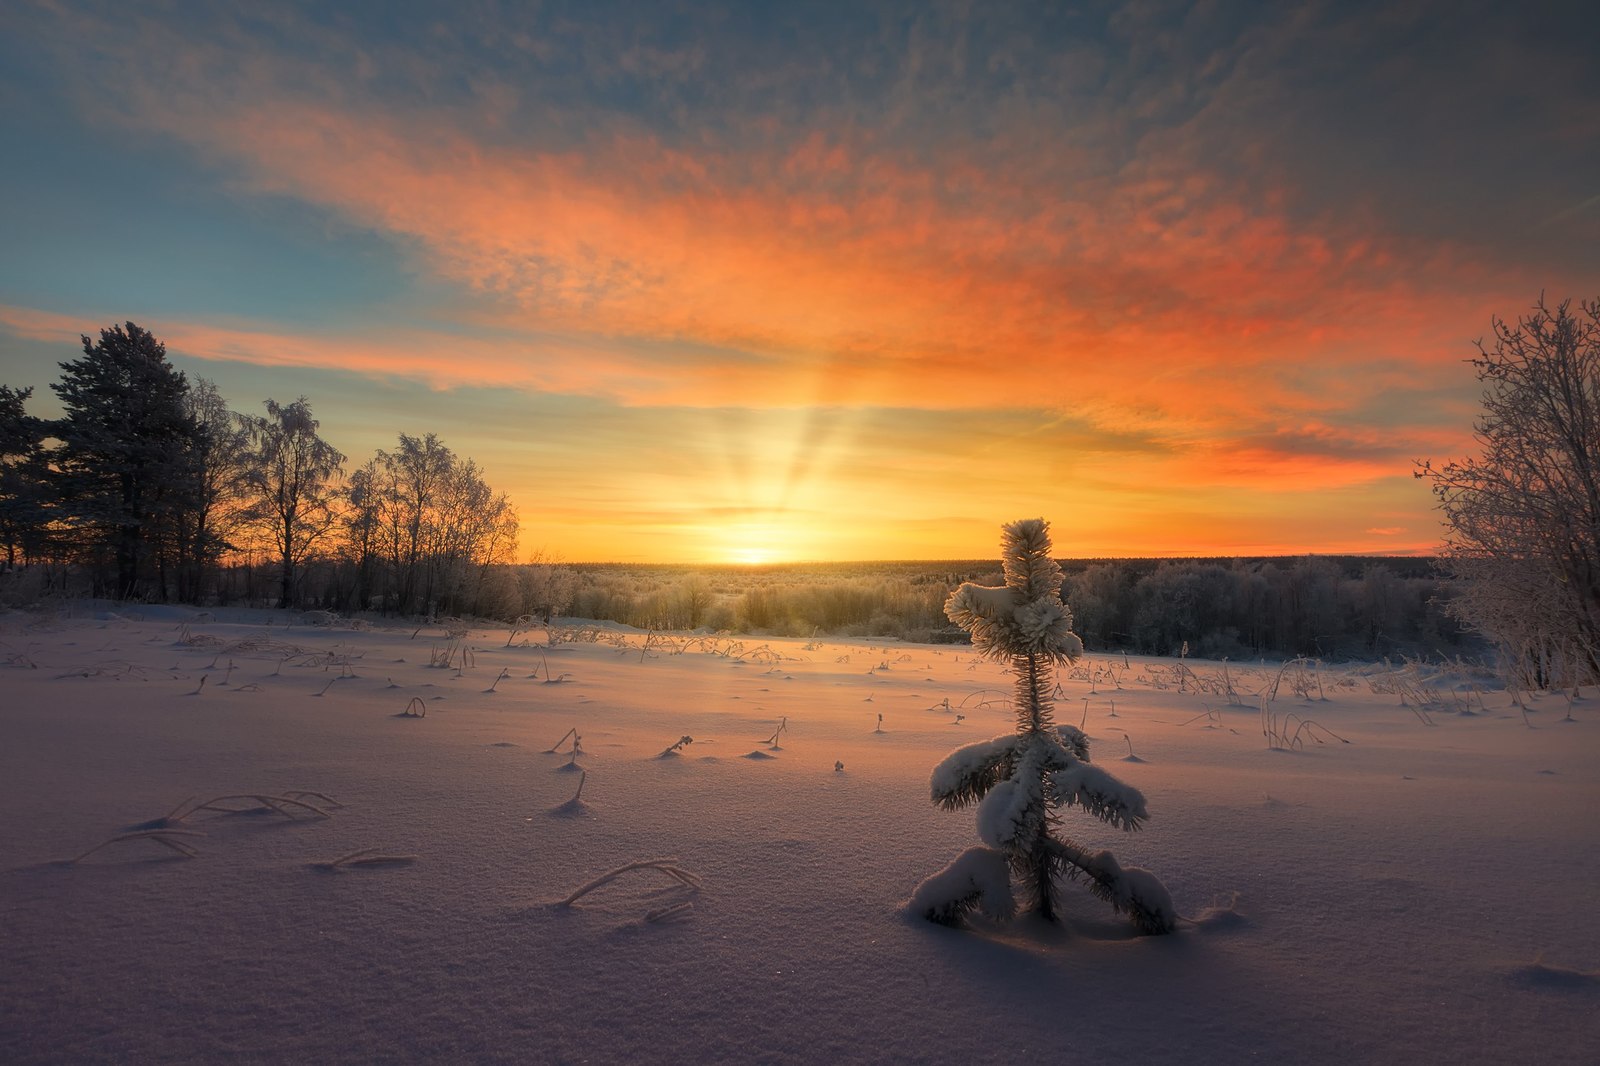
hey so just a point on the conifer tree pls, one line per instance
(22, 476)
(124, 440)
(1018, 781)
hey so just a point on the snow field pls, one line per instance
(1422, 893)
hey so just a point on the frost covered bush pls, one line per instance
(1018, 781)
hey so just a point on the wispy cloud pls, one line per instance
(829, 256)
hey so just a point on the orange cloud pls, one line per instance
(834, 271)
(1163, 342)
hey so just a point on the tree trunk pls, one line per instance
(1040, 877)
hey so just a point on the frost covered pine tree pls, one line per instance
(1019, 781)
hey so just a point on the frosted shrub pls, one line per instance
(1019, 781)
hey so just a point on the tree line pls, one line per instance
(152, 488)
(1344, 607)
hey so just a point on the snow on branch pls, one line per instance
(968, 773)
(1089, 787)
(979, 879)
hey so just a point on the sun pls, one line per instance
(763, 541)
(753, 556)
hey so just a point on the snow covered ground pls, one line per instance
(1426, 892)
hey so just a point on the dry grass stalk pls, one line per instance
(667, 914)
(365, 857)
(165, 837)
(577, 742)
(677, 746)
(117, 670)
(292, 805)
(1277, 730)
(665, 866)
(415, 709)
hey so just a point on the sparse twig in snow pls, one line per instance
(365, 857)
(677, 746)
(665, 866)
(577, 742)
(167, 837)
(302, 793)
(286, 804)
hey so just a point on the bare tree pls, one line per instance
(215, 467)
(360, 520)
(430, 522)
(547, 587)
(291, 474)
(408, 482)
(1523, 519)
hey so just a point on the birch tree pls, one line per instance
(292, 475)
(1523, 517)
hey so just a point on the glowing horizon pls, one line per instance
(823, 285)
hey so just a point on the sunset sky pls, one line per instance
(749, 282)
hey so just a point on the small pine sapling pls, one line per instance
(1019, 781)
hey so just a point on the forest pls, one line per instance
(149, 488)
(1336, 607)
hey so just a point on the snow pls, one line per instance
(1001, 813)
(953, 773)
(1425, 892)
(1088, 786)
(978, 877)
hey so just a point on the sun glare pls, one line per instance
(755, 543)
(770, 489)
